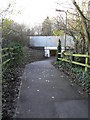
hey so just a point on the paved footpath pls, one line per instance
(46, 92)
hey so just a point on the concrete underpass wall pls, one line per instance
(37, 52)
(34, 53)
(50, 41)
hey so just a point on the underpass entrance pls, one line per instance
(52, 52)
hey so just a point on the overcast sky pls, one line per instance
(33, 12)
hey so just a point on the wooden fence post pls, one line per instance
(86, 62)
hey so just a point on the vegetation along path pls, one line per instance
(46, 92)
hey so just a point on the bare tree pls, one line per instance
(85, 25)
(77, 28)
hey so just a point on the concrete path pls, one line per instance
(46, 93)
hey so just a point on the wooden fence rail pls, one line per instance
(86, 56)
(8, 54)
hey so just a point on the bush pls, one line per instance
(81, 77)
(15, 55)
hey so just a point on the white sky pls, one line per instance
(33, 12)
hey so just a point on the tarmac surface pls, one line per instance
(46, 92)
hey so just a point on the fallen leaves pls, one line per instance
(38, 90)
(52, 97)
(47, 81)
(80, 92)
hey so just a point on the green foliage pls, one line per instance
(58, 32)
(19, 53)
(7, 23)
(15, 55)
(13, 32)
(10, 75)
(59, 46)
(81, 77)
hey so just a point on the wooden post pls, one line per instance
(86, 62)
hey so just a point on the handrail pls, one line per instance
(4, 49)
(6, 61)
(86, 56)
(7, 48)
(5, 55)
(9, 53)
(76, 55)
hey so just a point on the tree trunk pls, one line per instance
(84, 26)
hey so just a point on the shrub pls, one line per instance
(81, 77)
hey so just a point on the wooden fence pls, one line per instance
(8, 54)
(70, 60)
